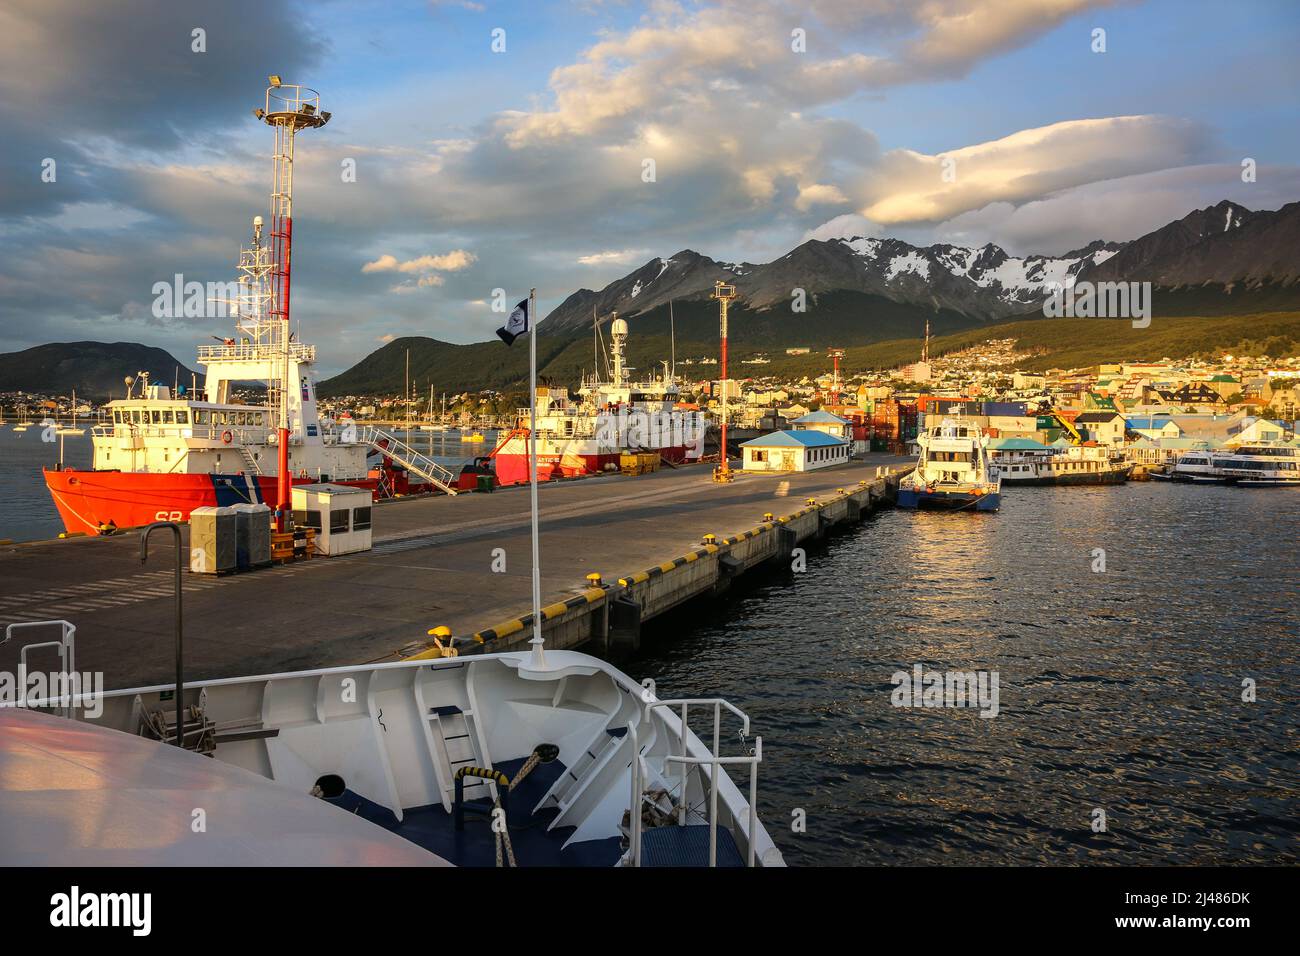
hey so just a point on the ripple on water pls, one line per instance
(1119, 690)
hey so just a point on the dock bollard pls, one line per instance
(768, 516)
(839, 491)
(710, 538)
(810, 501)
(440, 633)
(593, 580)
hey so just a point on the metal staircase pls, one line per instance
(416, 462)
(249, 461)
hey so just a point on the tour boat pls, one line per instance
(952, 472)
(1251, 466)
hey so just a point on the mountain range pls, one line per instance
(1224, 260)
(1223, 250)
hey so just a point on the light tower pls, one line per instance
(836, 355)
(289, 108)
(724, 294)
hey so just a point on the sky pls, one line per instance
(507, 145)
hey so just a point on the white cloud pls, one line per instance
(452, 261)
(620, 257)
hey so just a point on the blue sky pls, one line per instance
(478, 170)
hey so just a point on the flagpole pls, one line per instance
(532, 474)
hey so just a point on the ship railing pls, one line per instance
(239, 434)
(66, 646)
(712, 759)
(252, 352)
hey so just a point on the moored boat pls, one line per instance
(587, 435)
(952, 472)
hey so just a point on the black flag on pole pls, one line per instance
(516, 325)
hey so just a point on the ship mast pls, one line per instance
(288, 108)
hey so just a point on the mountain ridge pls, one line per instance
(1225, 244)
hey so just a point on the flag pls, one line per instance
(516, 325)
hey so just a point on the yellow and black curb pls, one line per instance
(598, 592)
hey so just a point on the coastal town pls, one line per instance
(1148, 413)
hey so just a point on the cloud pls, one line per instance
(453, 261)
(1116, 209)
(913, 187)
(618, 257)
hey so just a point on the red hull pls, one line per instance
(89, 501)
(513, 469)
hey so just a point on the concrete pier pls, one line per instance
(461, 562)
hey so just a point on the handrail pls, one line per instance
(715, 763)
(67, 645)
(180, 668)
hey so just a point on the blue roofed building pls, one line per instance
(823, 421)
(794, 450)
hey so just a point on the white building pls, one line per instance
(804, 450)
(824, 422)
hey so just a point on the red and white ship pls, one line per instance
(165, 452)
(588, 434)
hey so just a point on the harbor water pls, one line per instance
(1120, 690)
(28, 514)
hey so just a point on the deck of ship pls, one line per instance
(431, 565)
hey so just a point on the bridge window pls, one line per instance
(156, 416)
(200, 416)
(168, 417)
(182, 416)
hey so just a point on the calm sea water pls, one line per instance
(28, 514)
(1119, 690)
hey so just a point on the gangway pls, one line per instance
(418, 463)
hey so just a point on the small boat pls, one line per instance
(475, 437)
(953, 471)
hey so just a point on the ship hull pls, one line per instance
(512, 468)
(947, 501)
(1101, 478)
(91, 501)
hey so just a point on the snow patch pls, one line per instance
(636, 289)
(912, 262)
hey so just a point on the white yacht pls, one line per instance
(1250, 466)
(953, 471)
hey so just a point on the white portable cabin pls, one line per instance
(340, 515)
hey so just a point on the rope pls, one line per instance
(529, 765)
